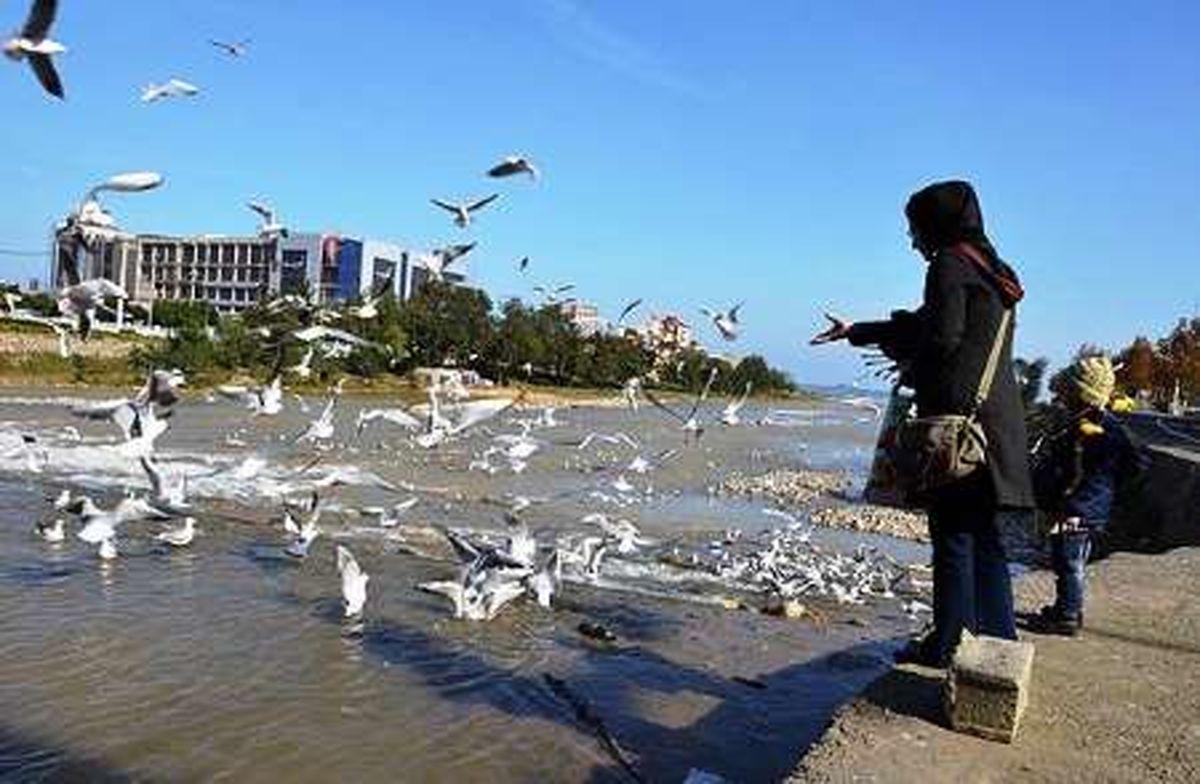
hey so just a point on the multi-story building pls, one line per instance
(584, 316)
(234, 272)
(229, 272)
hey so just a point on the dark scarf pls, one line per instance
(947, 214)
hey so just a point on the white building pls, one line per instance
(234, 272)
(585, 316)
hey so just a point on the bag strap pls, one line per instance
(989, 370)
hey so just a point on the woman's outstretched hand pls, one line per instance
(838, 330)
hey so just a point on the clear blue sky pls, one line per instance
(695, 151)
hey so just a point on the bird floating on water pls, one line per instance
(181, 536)
(354, 582)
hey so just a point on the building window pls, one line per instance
(293, 271)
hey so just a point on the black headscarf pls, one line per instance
(946, 214)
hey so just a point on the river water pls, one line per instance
(230, 661)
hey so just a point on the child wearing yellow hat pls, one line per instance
(1076, 474)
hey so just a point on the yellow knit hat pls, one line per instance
(1094, 380)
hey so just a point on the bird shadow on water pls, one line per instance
(24, 758)
(748, 731)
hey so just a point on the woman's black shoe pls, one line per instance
(920, 651)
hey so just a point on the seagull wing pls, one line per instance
(628, 309)
(482, 202)
(268, 215)
(663, 406)
(347, 566)
(43, 69)
(477, 411)
(465, 549)
(712, 376)
(399, 416)
(41, 17)
(156, 479)
(233, 392)
(455, 252)
(733, 312)
(447, 206)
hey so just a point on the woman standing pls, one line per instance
(942, 349)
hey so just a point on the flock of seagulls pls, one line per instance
(492, 571)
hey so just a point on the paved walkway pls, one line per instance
(1119, 703)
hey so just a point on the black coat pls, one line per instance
(943, 347)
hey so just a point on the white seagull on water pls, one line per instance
(181, 536)
(32, 44)
(354, 582)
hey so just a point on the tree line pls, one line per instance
(442, 325)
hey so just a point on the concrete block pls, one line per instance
(987, 686)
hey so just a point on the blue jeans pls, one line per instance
(971, 584)
(1069, 556)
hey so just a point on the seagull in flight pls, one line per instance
(303, 535)
(689, 422)
(390, 519)
(263, 401)
(84, 298)
(321, 428)
(235, 49)
(270, 226)
(397, 416)
(354, 582)
(462, 211)
(172, 88)
(170, 489)
(523, 264)
(729, 416)
(550, 294)
(514, 164)
(369, 308)
(628, 309)
(33, 44)
(726, 322)
(441, 258)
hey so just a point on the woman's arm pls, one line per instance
(898, 337)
